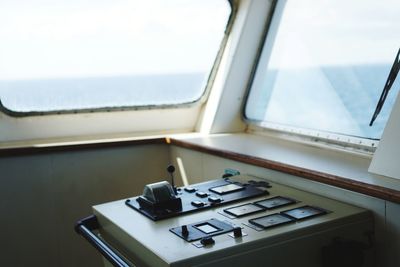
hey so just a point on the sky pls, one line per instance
(327, 65)
(77, 38)
(340, 32)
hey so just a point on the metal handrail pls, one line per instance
(85, 228)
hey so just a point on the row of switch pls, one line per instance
(212, 199)
(201, 194)
(208, 240)
(198, 193)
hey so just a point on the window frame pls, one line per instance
(209, 78)
(89, 125)
(311, 136)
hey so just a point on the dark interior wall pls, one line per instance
(42, 195)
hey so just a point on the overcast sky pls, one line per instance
(75, 38)
(340, 32)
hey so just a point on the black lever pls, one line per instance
(171, 170)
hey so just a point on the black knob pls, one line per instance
(208, 240)
(185, 231)
(190, 189)
(201, 194)
(197, 203)
(214, 199)
(237, 232)
(171, 169)
(226, 175)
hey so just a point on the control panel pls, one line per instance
(160, 200)
(239, 220)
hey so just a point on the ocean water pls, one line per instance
(337, 99)
(333, 99)
(50, 95)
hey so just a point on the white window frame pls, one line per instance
(319, 138)
(17, 130)
(225, 112)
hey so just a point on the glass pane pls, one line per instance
(324, 65)
(87, 54)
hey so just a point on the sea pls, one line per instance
(52, 95)
(356, 89)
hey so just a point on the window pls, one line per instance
(63, 56)
(323, 67)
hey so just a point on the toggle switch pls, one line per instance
(201, 194)
(237, 232)
(208, 240)
(197, 203)
(214, 199)
(190, 189)
(185, 231)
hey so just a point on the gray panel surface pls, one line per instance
(149, 243)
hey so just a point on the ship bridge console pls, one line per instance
(237, 220)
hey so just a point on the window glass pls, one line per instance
(89, 54)
(324, 64)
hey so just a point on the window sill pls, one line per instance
(45, 146)
(344, 170)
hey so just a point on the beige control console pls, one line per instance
(282, 227)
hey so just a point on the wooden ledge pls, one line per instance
(341, 181)
(329, 179)
(71, 146)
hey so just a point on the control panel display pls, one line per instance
(275, 202)
(203, 229)
(207, 228)
(244, 210)
(226, 189)
(271, 220)
(304, 212)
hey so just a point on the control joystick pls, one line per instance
(161, 197)
(171, 170)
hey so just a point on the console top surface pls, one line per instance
(256, 217)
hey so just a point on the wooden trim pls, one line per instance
(334, 180)
(22, 151)
(329, 179)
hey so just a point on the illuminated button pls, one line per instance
(197, 203)
(214, 199)
(201, 194)
(190, 189)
